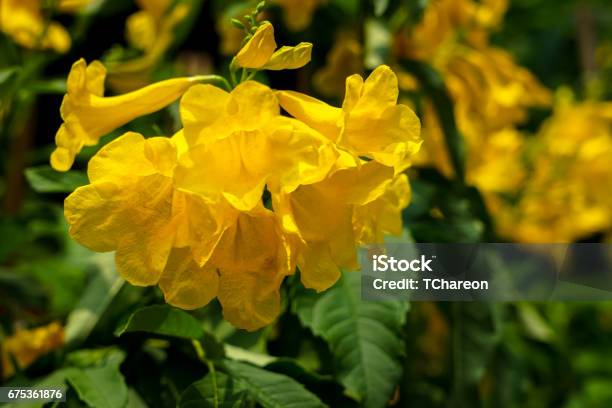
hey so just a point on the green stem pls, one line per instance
(211, 368)
(214, 79)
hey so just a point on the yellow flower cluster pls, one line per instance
(490, 92)
(233, 202)
(26, 346)
(24, 22)
(568, 195)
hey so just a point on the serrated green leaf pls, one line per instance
(214, 391)
(269, 389)
(163, 320)
(364, 338)
(43, 179)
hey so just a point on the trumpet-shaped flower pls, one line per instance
(26, 346)
(253, 257)
(370, 122)
(195, 248)
(320, 218)
(132, 207)
(259, 52)
(240, 144)
(22, 20)
(88, 115)
(372, 221)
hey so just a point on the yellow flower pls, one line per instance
(491, 94)
(497, 166)
(298, 13)
(370, 123)
(26, 346)
(195, 248)
(240, 144)
(151, 31)
(22, 20)
(568, 194)
(382, 216)
(253, 257)
(88, 115)
(320, 218)
(344, 59)
(259, 52)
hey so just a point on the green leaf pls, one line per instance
(364, 338)
(102, 386)
(7, 74)
(214, 390)
(163, 320)
(97, 297)
(43, 179)
(464, 214)
(476, 332)
(56, 380)
(271, 390)
(135, 400)
(239, 353)
(380, 6)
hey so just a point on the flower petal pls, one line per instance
(290, 57)
(317, 114)
(185, 284)
(258, 50)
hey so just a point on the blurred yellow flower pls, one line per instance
(568, 194)
(150, 31)
(88, 115)
(370, 122)
(259, 52)
(344, 59)
(26, 346)
(23, 21)
(298, 13)
(491, 94)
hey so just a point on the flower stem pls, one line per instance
(214, 79)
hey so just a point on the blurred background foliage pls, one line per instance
(514, 100)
